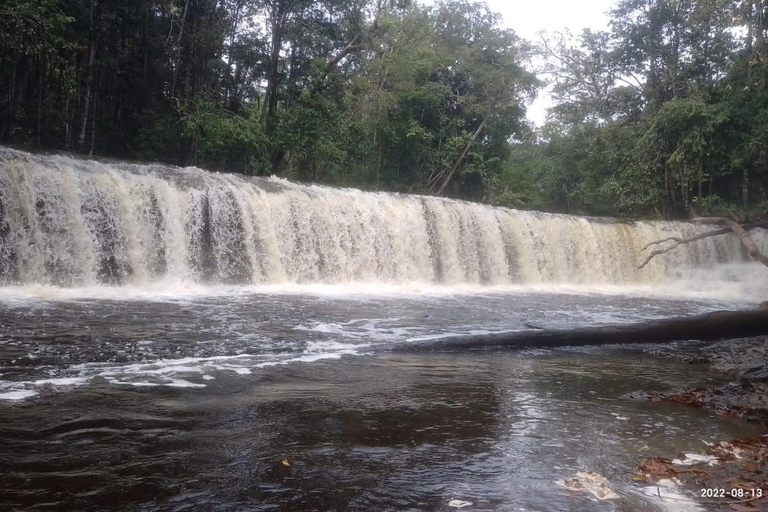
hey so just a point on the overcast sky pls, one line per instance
(528, 17)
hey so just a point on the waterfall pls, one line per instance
(72, 222)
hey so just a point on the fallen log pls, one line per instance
(718, 325)
(747, 242)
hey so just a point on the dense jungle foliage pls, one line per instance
(663, 114)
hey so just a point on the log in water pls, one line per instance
(717, 325)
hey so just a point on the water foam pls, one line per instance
(187, 372)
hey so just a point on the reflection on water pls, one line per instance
(186, 404)
(405, 432)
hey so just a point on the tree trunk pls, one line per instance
(41, 82)
(701, 184)
(758, 26)
(710, 326)
(747, 242)
(93, 117)
(745, 188)
(292, 92)
(653, 76)
(458, 162)
(674, 60)
(177, 51)
(87, 93)
(270, 95)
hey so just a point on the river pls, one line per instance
(172, 339)
(191, 401)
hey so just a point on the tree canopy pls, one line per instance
(663, 114)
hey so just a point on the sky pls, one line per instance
(528, 17)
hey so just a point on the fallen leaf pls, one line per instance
(658, 467)
(286, 463)
(459, 503)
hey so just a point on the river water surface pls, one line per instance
(282, 399)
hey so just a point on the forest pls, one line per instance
(665, 114)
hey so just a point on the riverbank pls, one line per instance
(728, 475)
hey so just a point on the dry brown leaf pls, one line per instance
(655, 465)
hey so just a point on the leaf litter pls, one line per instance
(740, 467)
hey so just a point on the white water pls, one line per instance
(82, 224)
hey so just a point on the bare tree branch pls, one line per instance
(678, 242)
(731, 227)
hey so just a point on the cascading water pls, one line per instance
(71, 222)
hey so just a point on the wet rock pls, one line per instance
(756, 374)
